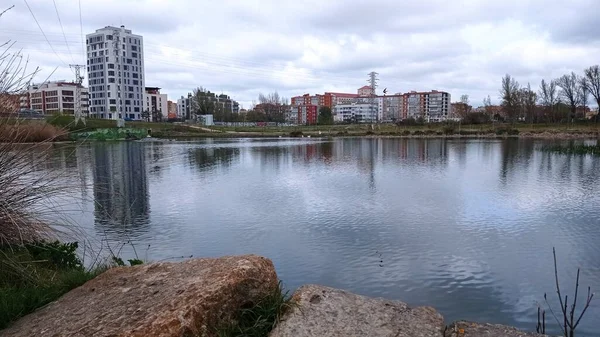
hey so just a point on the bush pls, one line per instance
(513, 132)
(370, 132)
(418, 133)
(406, 133)
(449, 129)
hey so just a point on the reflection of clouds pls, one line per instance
(465, 226)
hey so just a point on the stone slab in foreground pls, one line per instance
(470, 329)
(189, 298)
(327, 312)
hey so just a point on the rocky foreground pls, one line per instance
(194, 297)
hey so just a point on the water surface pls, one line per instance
(465, 226)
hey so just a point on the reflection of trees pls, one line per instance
(515, 152)
(208, 158)
(120, 187)
(155, 152)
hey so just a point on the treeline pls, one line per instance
(270, 107)
(564, 99)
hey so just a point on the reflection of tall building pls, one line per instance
(120, 186)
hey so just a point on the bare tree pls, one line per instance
(592, 82)
(528, 100)
(203, 102)
(273, 106)
(548, 97)
(583, 95)
(569, 85)
(510, 97)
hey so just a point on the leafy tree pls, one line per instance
(325, 116)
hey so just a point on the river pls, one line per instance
(465, 226)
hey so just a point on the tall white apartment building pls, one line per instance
(115, 65)
(55, 97)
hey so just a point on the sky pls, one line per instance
(246, 47)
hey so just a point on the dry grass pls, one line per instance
(16, 132)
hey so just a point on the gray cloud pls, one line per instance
(246, 47)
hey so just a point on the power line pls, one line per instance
(41, 30)
(63, 30)
(81, 29)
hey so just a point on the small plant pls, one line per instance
(260, 319)
(570, 321)
(60, 255)
(296, 133)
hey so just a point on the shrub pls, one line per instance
(448, 129)
(370, 132)
(418, 133)
(513, 132)
(406, 133)
(296, 133)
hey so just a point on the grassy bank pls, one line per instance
(35, 274)
(578, 149)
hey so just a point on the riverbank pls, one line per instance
(60, 128)
(231, 296)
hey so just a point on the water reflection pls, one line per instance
(120, 188)
(465, 226)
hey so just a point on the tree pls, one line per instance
(569, 86)
(510, 97)
(487, 105)
(583, 96)
(203, 102)
(273, 106)
(548, 97)
(592, 82)
(325, 116)
(146, 115)
(528, 100)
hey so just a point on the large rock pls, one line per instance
(470, 329)
(190, 298)
(323, 312)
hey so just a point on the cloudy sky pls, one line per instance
(246, 47)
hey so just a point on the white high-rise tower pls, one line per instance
(115, 65)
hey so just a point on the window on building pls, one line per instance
(111, 66)
(111, 80)
(111, 73)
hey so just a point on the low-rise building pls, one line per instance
(155, 103)
(361, 112)
(56, 97)
(171, 110)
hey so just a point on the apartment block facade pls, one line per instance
(55, 97)
(431, 106)
(115, 65)
(155, 102)
(359, 112)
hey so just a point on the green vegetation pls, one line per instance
(35, 274)
(325, 116)
(578, 149)
(259, 318)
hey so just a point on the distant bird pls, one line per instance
(385, 91)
